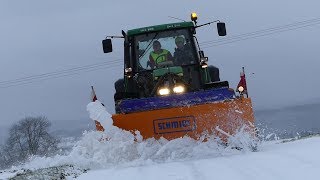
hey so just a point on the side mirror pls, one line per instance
(107, 45)
(221, 29)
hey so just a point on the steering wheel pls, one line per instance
(165, 64)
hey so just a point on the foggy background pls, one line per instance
(38, 37)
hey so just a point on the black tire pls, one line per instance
(119, 85)
(214, 73)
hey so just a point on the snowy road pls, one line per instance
(292, 160)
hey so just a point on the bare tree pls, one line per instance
(29, 136)
(2, 158)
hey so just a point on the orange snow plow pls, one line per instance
(193, 121)
(170, 91)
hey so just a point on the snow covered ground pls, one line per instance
(117, 154)
(293, 160)
(297, 159)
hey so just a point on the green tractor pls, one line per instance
(168, 89)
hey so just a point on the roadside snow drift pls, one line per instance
(294, 160)
(119, 154)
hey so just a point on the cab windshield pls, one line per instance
(163, 49)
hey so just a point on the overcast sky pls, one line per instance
(39, 36)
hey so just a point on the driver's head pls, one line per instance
(156, 46)
(179, 41)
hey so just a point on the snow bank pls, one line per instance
(293, 160)
(119, 152)
(119, 148)
(123, 149)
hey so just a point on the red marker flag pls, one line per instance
(243, 82)
(99, 127)
(93, 95)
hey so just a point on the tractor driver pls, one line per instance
(182, 54)
(159, 55)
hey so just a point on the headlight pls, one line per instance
(240, 89)
(204, 62)
(163, 91)
(179, 89)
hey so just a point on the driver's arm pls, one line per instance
(169, 57)
(152, 62)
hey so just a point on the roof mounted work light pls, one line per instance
(194, 17)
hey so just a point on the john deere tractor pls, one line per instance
(171, 91)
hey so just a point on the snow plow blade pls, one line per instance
(217, 118)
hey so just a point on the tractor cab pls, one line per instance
(162, 60)
(160, 66)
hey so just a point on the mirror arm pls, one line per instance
(114, 37)
(123, 35)
(207, 23)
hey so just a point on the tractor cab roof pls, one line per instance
(161, 27)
